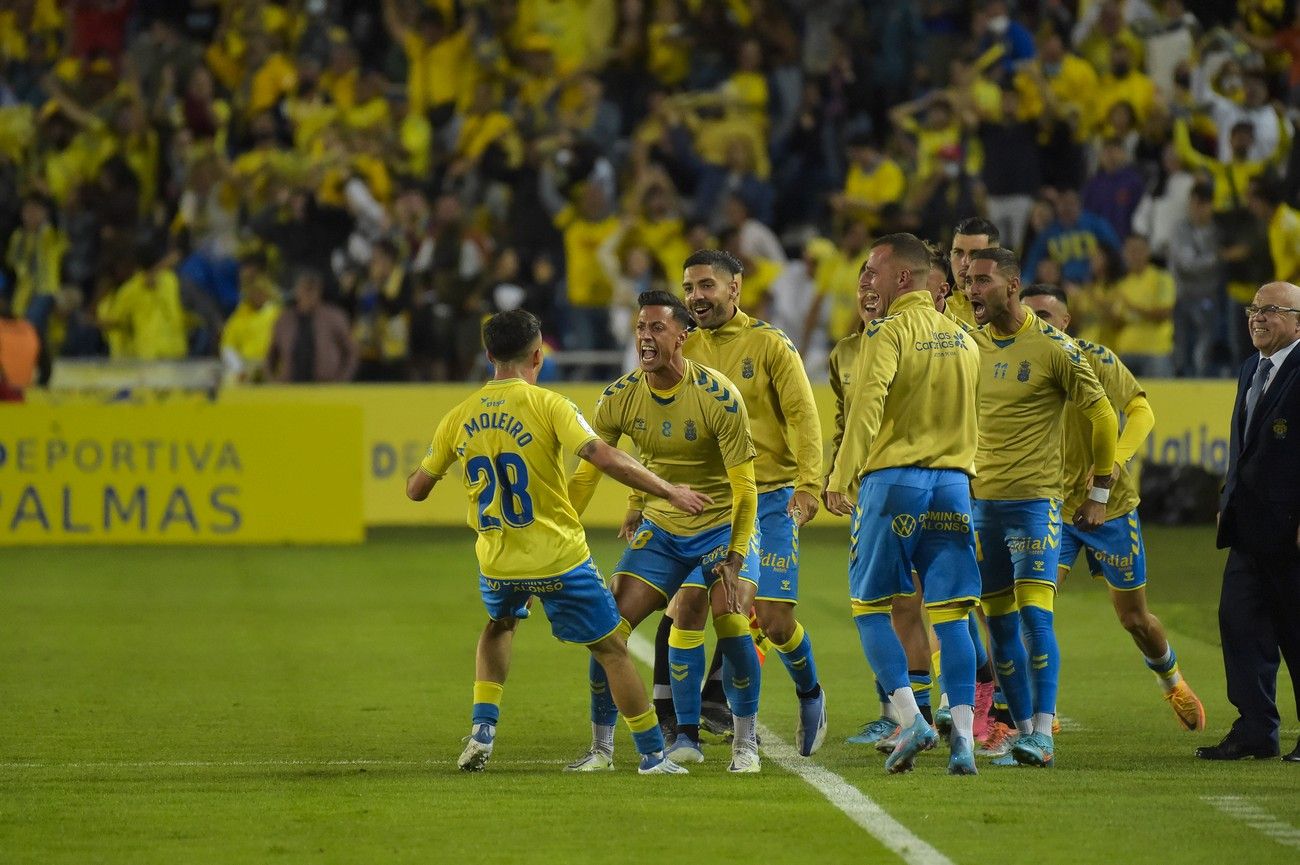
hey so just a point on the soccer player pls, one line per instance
(510, 438)
(909, 443)
(906, 614)
(970, 234)
(1029, 370)
(1115, 551)
(786, 430)
(689, 423)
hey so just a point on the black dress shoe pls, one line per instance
(1234, 748)
(1294, 756)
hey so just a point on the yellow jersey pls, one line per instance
(913, 395)
(774, 387)
(1121, 388)
(1150, 291)
(510, 439)
(1025, 380)
(588, 285)
(868, 191)
(690, 435)
(249, 332)
(1284, 243)
(844, 356)
(957, 307)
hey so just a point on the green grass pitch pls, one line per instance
(307, 705)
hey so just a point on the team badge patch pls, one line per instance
(747, 368)
(903, 525)
(639, 424)
(1023, 375)
(689, 431)
(1279, 428)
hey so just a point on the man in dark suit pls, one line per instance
(1259, 523)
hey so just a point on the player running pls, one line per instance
(910, 441)
(1029, 370)
(510, 439)
(689, 423)
(1115, 551)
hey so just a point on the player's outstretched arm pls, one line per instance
(627, 470)
(419, 485)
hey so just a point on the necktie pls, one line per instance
(1257, 388)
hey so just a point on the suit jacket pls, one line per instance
(1260, 504)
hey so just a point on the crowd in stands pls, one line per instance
(328, 190)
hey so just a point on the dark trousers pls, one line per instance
(1259, 620)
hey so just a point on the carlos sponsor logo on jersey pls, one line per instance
(942, 342)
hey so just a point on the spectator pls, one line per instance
(1231, 177)
(997, 31)
(755, 239)
(1283, 225)
(247, 336)
(143, 318)
(1253, 109)
(1123, 82)
(1164, 205)
(874, 181)
(312, 341)
(1115, 190)
(1198, 282)
(1011, 175)
(1144, 305)
(35, 255)
(585, 227)
(1071, 239)
(381, 309)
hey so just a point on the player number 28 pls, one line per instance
(508, 473)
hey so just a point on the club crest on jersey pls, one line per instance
(639, 424)
(747, 368)
(1279, 428)
(1023, 375)
(903, 525)
(690, 432)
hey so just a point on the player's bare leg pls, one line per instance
(1149, 635)
(491, 666)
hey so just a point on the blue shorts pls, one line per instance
(913, 519)
(1017, 541)
(778, 563)
(578, 603)
(1114, 551)
(665, 561)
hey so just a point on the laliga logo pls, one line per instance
(903, 525)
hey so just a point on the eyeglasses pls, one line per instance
(1271, 309)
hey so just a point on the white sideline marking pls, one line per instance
(1069, 725)
(235, 764)
(858, 806)
(1243, 810)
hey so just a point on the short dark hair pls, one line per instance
(718, 259)
(659, 297)
(909, 249)
(1005, 260)
(508, 335)
(975, 225)
(1043, 289)
(1202, 191)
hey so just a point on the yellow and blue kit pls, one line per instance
(786, 429)
(510, 439)
(1115, 551)
(696, 434)
(909, 416)
(1026, 379)
(909, 443)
